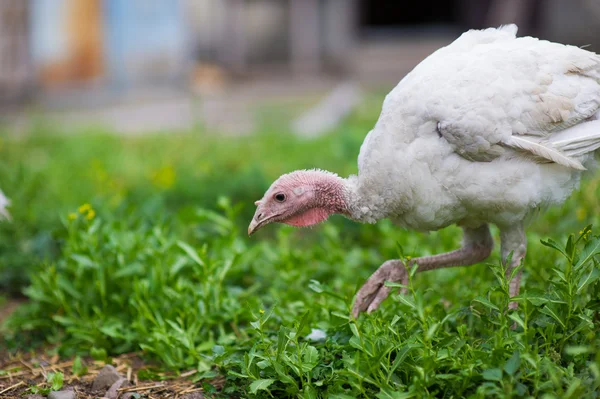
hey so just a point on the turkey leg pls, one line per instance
(513, 240)
(477, 246)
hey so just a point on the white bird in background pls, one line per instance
(488, 130)
(4, 203)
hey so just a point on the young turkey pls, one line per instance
(490, 129)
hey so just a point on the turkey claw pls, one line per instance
(374, 291)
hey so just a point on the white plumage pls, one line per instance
(487, 129)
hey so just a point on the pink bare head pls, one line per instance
(300, 198)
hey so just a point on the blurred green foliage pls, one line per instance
(138, 243)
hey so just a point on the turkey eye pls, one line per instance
(280, 197)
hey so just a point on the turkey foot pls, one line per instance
(374, 291)
(477, 245)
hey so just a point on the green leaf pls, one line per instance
(309, 392)
(84, 261)
(340, 396)
(66, 285)
(78, 368)
(177, 266)
(551, 311)
(55, 380)
(577, 350)
(386, 393)
(570, 246)
(591, 248)
(218, 350)
(263, 364)
(432, 330)
(400, 356)
(517, 319)
(315, 286)
(512, 365)
(341, 315)
(516, 270)
(99, 354)
(65, 321)
(303, 321)
(209, 388)
(281, 340)
(588, 279)
(485, 302)
(283, 377)
(354, 330)
(260, 385)
(393, 284)
(134, 269)
(191, 252)
(492, 375)
(552, 244)
(405, 300)
(537, 298)
(310, 357)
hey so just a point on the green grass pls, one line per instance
(163, 265)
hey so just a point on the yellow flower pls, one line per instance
(72, 216)
(164, 177)
(262, 311)
(84, 208)
(91, 214)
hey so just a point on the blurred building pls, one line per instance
(15, 58)
(111, 42)
(117, 45)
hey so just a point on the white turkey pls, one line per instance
(488, 130)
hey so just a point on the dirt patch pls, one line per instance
(28, 374)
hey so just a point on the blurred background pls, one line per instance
(142, 65)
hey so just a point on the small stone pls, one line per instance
(105, 378)
(62, 395)
(316, 335)
(113, 391)
(193, 395)
(36, 396)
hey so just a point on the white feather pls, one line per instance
(480, 132)
(543, 151)
(578, 140)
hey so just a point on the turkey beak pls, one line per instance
(257, 221)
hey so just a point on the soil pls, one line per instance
(26, 374)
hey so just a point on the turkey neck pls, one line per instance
(360, 202)
(331, 194)
(343, 196)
